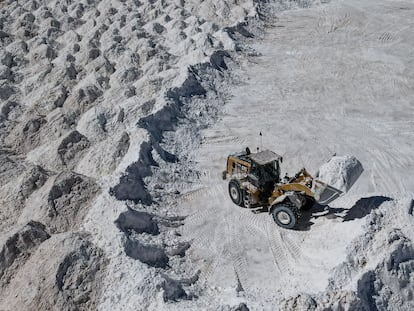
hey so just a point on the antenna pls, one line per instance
(261, 139)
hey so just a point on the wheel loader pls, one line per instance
(255, 182)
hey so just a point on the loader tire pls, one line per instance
(236, 194)
(285, 215)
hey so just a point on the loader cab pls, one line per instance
(266, 172)
(265, 169)
(261, 168)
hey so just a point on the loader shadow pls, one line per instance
(361, 208)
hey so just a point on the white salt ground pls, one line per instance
(331, 78)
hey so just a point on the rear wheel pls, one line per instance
(236, 194)
(285, 216)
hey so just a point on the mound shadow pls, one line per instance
(138, 222)
(364, 206)
(360, 209)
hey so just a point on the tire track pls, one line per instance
(386, 37)
(275, 245)
(233, 223)
(236, 256)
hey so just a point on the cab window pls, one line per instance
(238, 168)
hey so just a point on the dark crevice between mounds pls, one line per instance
(190, 87)
(79, 277)
(173, 289)
(239, 28)
(71, 146)
(34, 178)
(131, 185)
(180, 249)
(161, 121)
(241, 307)
(138, 222)
(10, 167)
(167, 118)
(149, 254)
(366, 291)
(164, 155)
(411, 207)
(19, 247)
(69, 201)
(217, 60)
(63, 187)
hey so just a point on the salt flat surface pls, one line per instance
(331, 79)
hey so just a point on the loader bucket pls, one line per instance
(340, 172)
(324, 193)
(336, 177)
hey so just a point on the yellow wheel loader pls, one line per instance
(255, 182)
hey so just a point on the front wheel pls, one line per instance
(285, 216)
(236, 194)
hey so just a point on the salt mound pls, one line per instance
(340, 172)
